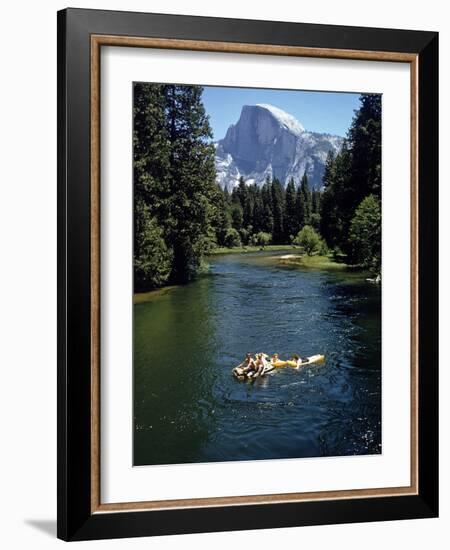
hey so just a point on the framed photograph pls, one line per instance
(247, 274)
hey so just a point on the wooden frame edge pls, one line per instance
(254, 499)
(261, 49)
(248, 48)
(95, 272)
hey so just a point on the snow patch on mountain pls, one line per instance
(287, 120)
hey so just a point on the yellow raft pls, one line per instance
(238, 372)
(291, 363)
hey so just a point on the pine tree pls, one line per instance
(328, 175)
(365, 144)
(314, 219)
(278, 212)
(227, 195)
(153, 259)
(365, 234)
(151, 162)
(315, 201)
(235, 197)
(222, 215)
(237, 216)
(353, 175)
(303, 201)
(266, 193)
(258, 211)
(266, 196)
(192, 180)
(334, 215)
(249, 205)
(268, 224)
(291, 224)
(151, 150)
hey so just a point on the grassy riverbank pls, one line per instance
(314, 262)
(244, 249)
(142, 297)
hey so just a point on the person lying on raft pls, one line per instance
(274, 359)
(299, 361)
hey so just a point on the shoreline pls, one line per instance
(143, 297)
(313, 262)
(246, 249)
(294, 259)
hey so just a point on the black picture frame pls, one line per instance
(75, 518)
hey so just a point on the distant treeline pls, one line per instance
(252, 215)
(181, 214)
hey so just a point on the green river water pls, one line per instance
(188, 407)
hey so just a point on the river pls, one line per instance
(188, 407)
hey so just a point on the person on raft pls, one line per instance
(247, 364)
(254, 368)
(298, 360)
(274, 359)
(260, 364)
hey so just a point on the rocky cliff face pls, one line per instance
(266, 141)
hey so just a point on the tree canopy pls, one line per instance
(174, 183)
(350, 177)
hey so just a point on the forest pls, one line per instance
(181, 215)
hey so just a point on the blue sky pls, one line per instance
(326, 112)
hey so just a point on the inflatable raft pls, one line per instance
(238, 372)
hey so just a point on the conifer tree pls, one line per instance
(222, 215)
(365, 234)
(303, 201)
(192, 178)
(353, 175)
(333, 213)
(278, 212)
(152, 255)
(266, 195)
(268, 221)
(365, 143)
(153, 259)
(291, 224)
(315, 201)
(249, 205)
(237, 216)
(258, 212)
